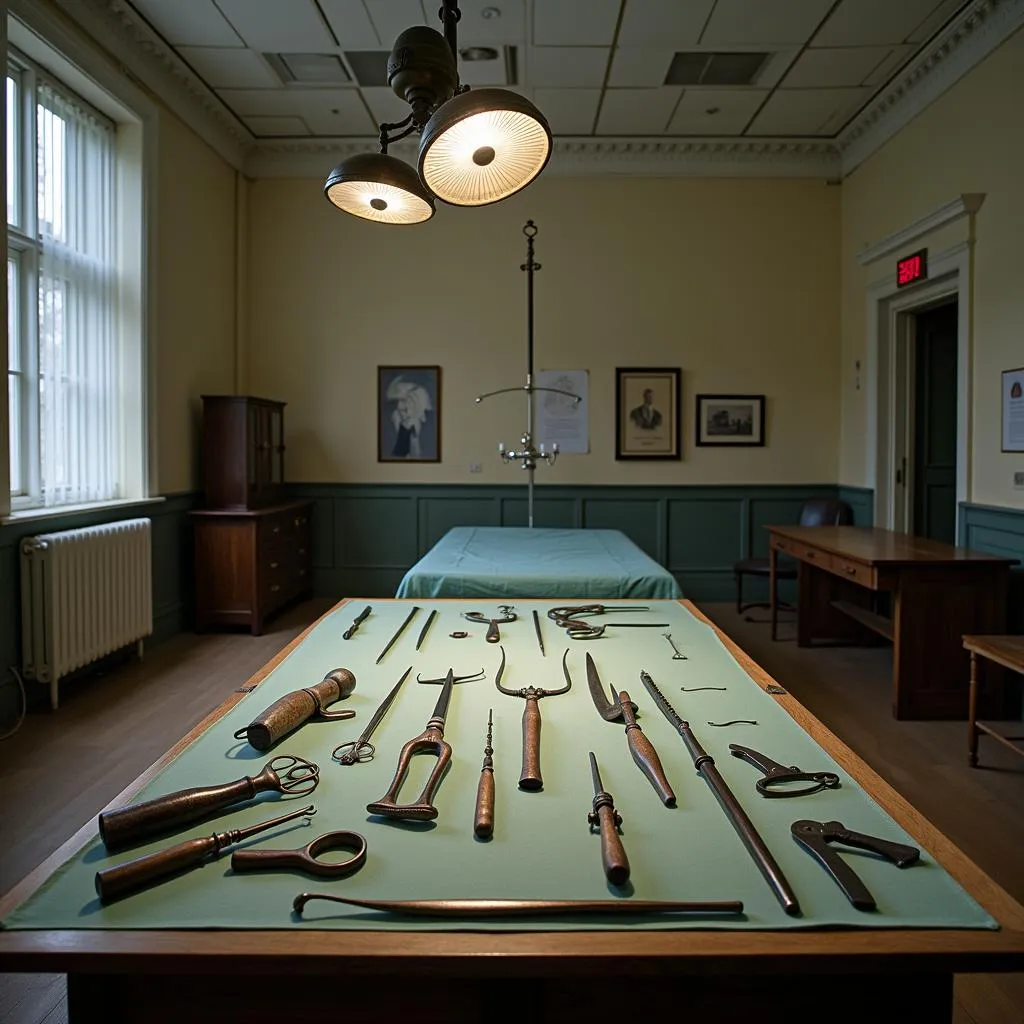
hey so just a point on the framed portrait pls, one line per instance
(408, 413)
(1013, 410)
(735, 420)
(647, 413)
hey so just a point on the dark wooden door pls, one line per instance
(935, 391)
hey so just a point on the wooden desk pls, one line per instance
(937, 593)
(1007, 651)
(299, 974)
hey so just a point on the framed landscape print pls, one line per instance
(408, 413)
(736, 420)
(647, 413)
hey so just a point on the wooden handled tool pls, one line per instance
(530, 778)
(645, 757)
(483, 821)
(606, 819)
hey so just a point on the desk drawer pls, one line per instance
(857, 571)
(813, 556)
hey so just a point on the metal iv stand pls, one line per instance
(529, 455)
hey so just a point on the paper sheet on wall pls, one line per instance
(1013, 410)
(559, 418)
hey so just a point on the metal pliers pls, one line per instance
(814, 837)
(777, 776)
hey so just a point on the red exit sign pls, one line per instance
(912, 268)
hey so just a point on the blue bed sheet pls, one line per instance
(501, 561)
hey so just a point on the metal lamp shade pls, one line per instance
(483, 146)
(380, 188)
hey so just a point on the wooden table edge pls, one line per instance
(819, 949)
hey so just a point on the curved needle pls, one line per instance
(361, 749)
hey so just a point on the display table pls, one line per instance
(505, 561)
(1007, 651)
(230, 945)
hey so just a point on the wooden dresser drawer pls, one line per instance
(814, 556)
(857, 571)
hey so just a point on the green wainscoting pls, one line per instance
(366, 536)
(172, 577)
(998, 531)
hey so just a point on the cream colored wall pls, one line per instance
(736, 282)
(195, 295)
(970, 140)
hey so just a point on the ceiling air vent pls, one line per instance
(308, 68)
(715, 68)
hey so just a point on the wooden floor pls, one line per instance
(60, 769)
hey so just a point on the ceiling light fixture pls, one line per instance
(476, 147)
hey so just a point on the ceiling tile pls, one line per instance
(566, 66)
(733, 109)
(898, 56)
(776, 66)
(569, 111)
(484, 72)
(764, 22)
(842, 115)
(223, 68)
(392, 17)
(507, 26)
(936, 20)
(575, 22)
(656, 23)
(384, 104)
(188, 22)
(873, 22)
(802, 111)
(637, 111)
(328, 112)
(279, 26)
(640, 66)
(351, 25)
(835, 66)
(266, 126)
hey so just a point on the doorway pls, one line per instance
(931, 503)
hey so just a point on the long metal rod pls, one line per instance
(529, 266)
(705, 765)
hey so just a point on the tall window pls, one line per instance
(63, 375)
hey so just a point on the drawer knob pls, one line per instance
(277, 529)
(275, 587)
(302, 551)
(302, 572)
(273, 565)
(849, 570)
(810, 554)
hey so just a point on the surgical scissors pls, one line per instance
(361, 749)
(493, 633)
(570, 618)
(305, 859)
(776, 776)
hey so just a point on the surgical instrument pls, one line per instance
(361, 749)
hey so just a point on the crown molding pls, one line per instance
(962, 45)
(584, 157)
(968, 203)
(144, 56)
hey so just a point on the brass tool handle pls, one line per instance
(430, 741)
(613, 853)
(287, 714)
(143, 872)
(644, 755)
(483, 822)
(127, 825)
(493, 633)
(531, 779)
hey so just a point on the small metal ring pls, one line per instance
(459, 634)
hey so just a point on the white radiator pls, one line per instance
(84, 594)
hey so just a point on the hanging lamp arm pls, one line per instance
(527, 387)
(450, 15)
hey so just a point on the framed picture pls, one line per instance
(1013, 410)
(735, 420)
(647, 413)
(408, 413)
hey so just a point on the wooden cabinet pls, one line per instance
(243, 451)
(252, 547)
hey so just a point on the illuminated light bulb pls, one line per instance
(483, 146)
(379, 188)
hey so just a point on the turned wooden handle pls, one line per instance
(613, 853)
(483, 823)
(531, 778)
(644, 755)
(493, 633)
(288, 713)
(154, 867)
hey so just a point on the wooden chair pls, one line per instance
(816, 512)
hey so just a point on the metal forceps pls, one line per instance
(777, 776)
(571, 619)
(306, 858)
(493, 634)
(359, 750)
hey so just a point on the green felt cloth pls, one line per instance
(504, 561)
(542, 846)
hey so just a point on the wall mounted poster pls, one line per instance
(560, 420)
(408, 413)
(1013, 410)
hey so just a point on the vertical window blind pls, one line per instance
(79, 426)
